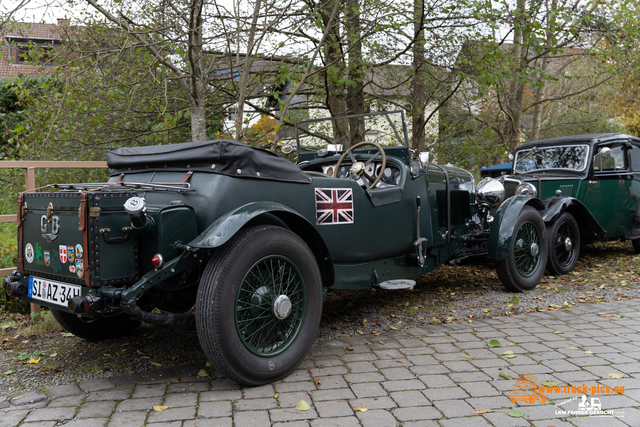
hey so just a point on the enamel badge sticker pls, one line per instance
(334, 206)
(63, 253)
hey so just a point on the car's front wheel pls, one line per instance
(101, 328)
(259, 305)
(524, 266)
(564, 245)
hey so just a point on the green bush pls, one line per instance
(8, 245)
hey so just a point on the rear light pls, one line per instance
(75, 304)
(93, 302)
(14, 288)
(157, 261)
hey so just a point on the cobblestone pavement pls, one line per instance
(444, 375)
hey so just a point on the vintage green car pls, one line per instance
(248, 241)
(590, 186)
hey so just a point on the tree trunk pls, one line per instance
(539, 105)
(197, 99)
(355, 89)
(516, 87)
(419, 92)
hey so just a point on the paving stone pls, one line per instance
(173, 414)
(12, 418)
(96, 409)
(94, 385)
(453, 408)
(410, 398)
(149, 390)
(397, 373)
(416, 413)
(188, 387)
(437, 381)
(368, 390)
(333, 370)
(27, 398)
(336, 422)
(357, 367)
(220, 395)
(211, 422)
(492, 402)
(297, 386)
(253, 404)
(367, 377)
(333, 409)
(479, 389)
(376, 418)
(139, 404)
(49, 414)
(111, 394)
(338, 394)
(445, 393)
(251, 418)
(64, 390)
(127, 380)
(214, 409)
(122, 419)
(262, 391)
(87, 422)
(504, 420)
(66, 401)
(373, 403)
(180, 399)
(291, 414)
(332, 381)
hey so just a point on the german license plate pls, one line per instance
(52, 292)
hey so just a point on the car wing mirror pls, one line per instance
(605, 152)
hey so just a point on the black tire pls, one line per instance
(564, 245)
(99, 329)
(636, 245)
(239, 292)
(524, 266)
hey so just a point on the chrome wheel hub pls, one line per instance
(281, 307)
(568, 244)
(535, 249)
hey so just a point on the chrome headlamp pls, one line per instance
(490, 192)
(527, 188)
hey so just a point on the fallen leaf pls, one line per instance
(401, 361)
(466, 355)
(53, 354)
(588, 352)
(494, 343)
(482, 411)
(33, 361)
(203, 373)
(175, 381)
(10, 372)
(25, 342)
(573, 348)
(361, 409)
(360, 332)
(507, 352)
(156, 364)
(18, 397)
(558, 332)
(515, 413)
(303, 406)
(350, 348)
(616, 376)
(317, 382)
(208, 364)
(275, 396)
(515, 299)
(505, 375)
(550, 383)
(160, 408)
(393, 327)
(381, 342)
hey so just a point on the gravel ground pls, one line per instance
(605, 272)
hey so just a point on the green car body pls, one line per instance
(251, 241)
(590, 188)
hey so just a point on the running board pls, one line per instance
(394, 285)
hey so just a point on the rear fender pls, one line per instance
(503, 222)
(556, 206)
(225, 227)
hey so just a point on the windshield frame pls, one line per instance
(519, 154)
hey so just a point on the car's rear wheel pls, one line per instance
(259, 305)
(101, 328)
(564, 245)
(524, 266)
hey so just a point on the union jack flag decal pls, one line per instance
(334, 206)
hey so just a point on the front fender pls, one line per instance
(555, 206)
(225, 227)
(504, 220)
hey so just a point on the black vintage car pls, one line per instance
(250, 241)
(590, 186)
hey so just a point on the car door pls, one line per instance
(608, 191)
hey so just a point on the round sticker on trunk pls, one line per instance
(29, 253)
(79, 251)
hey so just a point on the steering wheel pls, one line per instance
(359, 168)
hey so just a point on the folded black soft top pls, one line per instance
(226, 157)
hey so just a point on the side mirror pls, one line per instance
(511, 157)
(424, 158)
(605, 152)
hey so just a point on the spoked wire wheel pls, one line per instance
(270, 306)
(527, 249)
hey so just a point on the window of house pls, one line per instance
(31, 52)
